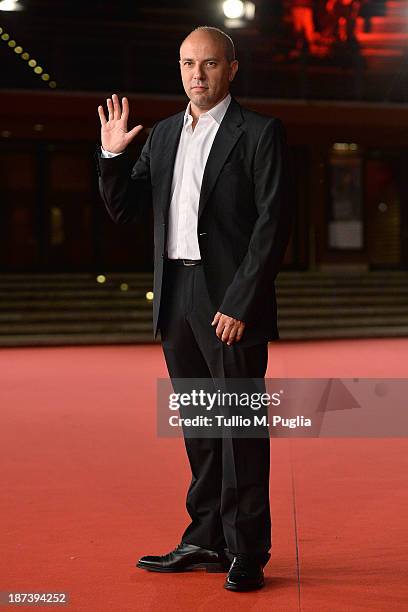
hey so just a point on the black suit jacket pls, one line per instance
(244, 217)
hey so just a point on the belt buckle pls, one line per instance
(186, 263)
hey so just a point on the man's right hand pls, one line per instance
(114, 135)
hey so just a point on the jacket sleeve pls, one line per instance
(125, 190)
(271, 230)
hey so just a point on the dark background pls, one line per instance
(329, 91)
(101, 45)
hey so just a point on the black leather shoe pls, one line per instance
(246, 573)
(186, 557)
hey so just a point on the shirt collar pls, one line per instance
(217, 112)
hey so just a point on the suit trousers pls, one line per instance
(228, 497)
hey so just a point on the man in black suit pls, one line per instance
(216, 177)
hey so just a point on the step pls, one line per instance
(362, 311)
(345, 332)
(336, 321)
(74, 304)
(75, 340)
(76, 327)
(101, 296)
(75, 315)
(338, 291)
(338, 300)
(73, 281)
(57, 276)
(289, 312)
(82, 294)
(395, 23)
(141, 325)
(147, 338)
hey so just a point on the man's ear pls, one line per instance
(233, 70)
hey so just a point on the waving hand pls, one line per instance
(114, 135)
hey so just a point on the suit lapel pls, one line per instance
(224, 141)
(165, 162)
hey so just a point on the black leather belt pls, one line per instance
(184, 262)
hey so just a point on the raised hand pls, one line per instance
(114, 135)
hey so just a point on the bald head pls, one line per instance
(217, 36)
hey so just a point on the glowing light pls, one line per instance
(233, 9)
(345, 146)
(10, 5)
(250, 9)
(18, 49)
(101, 278)
(124, 287)
(149, 296)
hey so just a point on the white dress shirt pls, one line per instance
(191, 158)
(192, 154)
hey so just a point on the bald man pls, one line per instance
(216, 178)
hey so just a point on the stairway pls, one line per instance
(70, 309)
(342, 305)
(76, 309)
(388, 35)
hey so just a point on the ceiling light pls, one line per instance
(10, 5)
(233, 9)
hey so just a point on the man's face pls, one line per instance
(205, 71)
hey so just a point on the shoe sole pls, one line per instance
(210, 568)
(233, 587)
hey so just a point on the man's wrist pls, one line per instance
(107, 154)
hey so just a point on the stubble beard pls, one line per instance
(201, 101)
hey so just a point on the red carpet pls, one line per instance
(87, 488)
